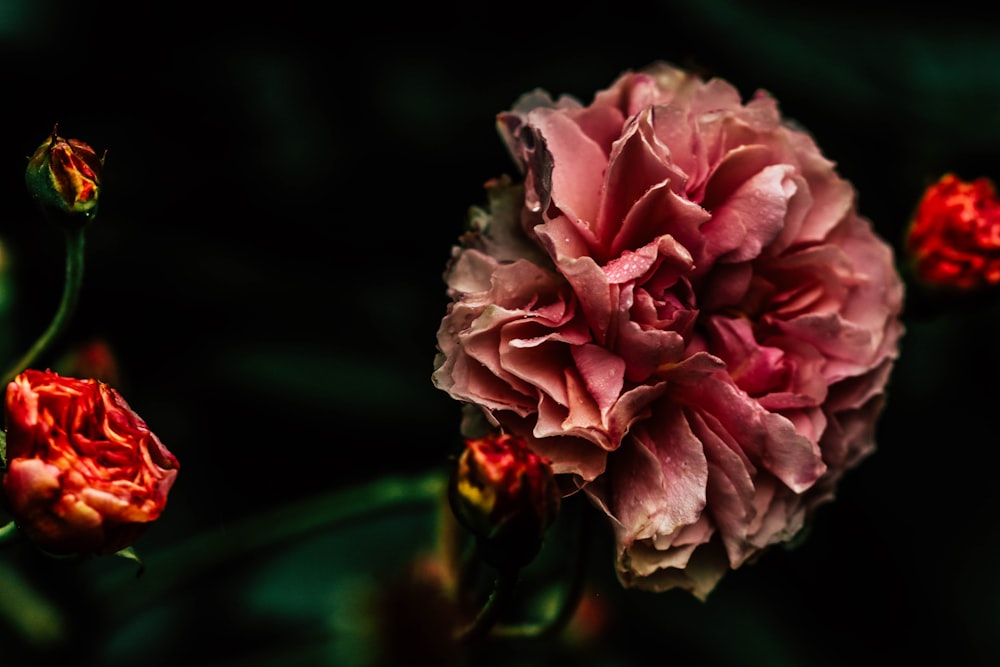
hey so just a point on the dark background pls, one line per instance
(282, 187)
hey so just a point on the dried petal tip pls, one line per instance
(505, 495)
(64, 177)
(953, 241)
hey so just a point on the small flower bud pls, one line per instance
(506, 496)
(64, 177)
(953, 240)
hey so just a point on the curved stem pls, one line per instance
(70, 296)
(570, 599)
(503, 591)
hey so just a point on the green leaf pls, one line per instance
(9, 533)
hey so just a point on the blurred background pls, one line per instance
(282, 188)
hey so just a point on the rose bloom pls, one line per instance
(85, 475)
(682, 310)
(953, 240)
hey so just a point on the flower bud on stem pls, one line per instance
(70, 296)
(63, 177)
(507, 497)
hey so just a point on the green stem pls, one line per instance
(486, 619)
(70, 296)
(570, 600)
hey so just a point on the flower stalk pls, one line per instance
(67, 304)
(561, 613)
(489, 614)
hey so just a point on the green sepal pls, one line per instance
(131, 554)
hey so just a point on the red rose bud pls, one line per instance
(85, 475)
(64, 177)
(953, 240)
(505, 495)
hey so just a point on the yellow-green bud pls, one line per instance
(64, 177)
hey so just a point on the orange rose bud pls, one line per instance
(84, 475)
(953, 241)
(506, 496)
(64, 177)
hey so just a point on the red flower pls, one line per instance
(85, 475)
(506, 495)
(954, 238)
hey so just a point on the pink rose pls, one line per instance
(682, 310)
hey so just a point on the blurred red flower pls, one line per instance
(953, 240)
